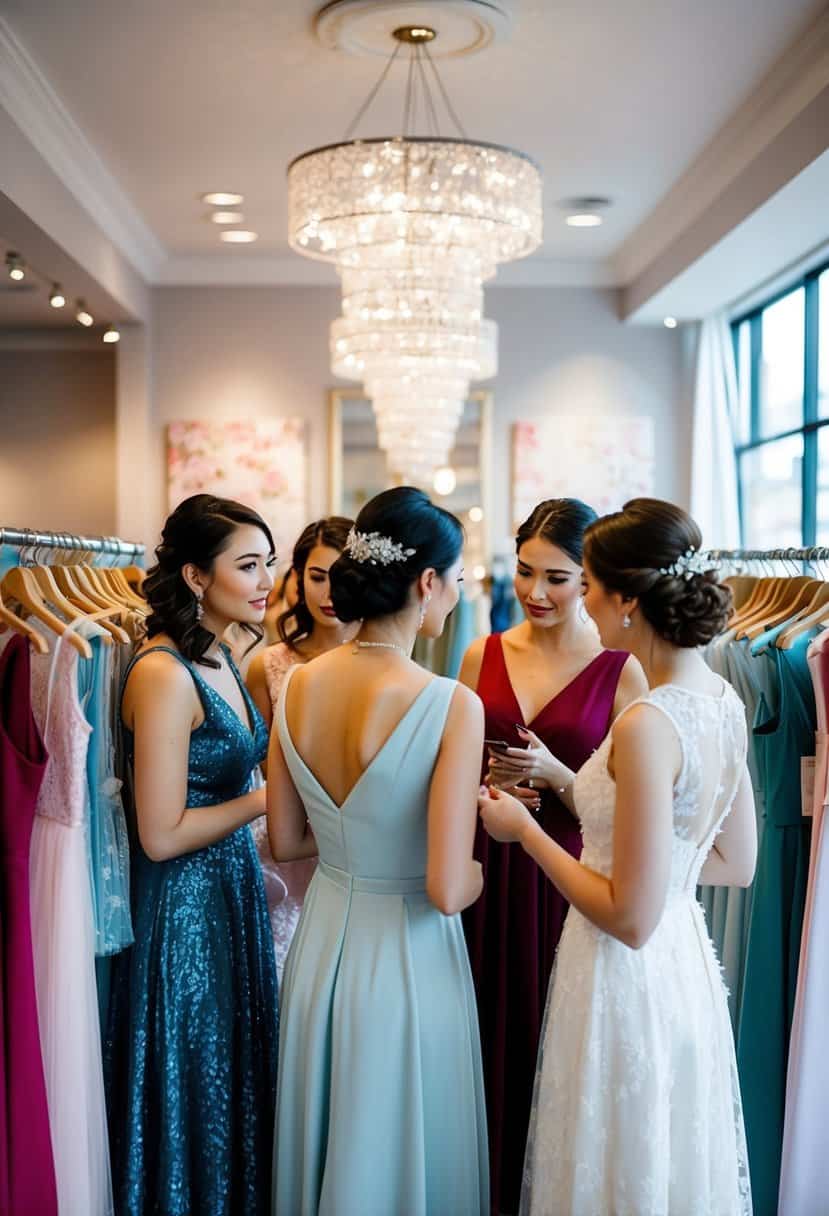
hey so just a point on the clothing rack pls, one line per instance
(27, 538)
(812, 554)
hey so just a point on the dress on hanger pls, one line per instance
(63, 936)
(784, 732)
(27, 1172)
(637, 1105)
(804, 1174)
(191, 1046)
(286, 882)
(380, 1104)
(514, 928)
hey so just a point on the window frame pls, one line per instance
(812, 424)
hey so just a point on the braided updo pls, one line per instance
(628, 552)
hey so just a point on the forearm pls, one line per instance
(199, 827)
(588, 891)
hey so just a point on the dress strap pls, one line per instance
(196, 678)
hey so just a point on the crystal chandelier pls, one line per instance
(415, 225)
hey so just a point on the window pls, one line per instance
(782, 424)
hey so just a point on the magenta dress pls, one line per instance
(27, 1174)
(513, 930)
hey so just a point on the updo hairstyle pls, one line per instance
(361, 591)
(627, 551)
(198, 530)
(295, 624)
(561, 522)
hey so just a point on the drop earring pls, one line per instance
(424, 605)
(626, 621)
(199, 608)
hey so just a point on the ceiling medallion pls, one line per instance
(414, 224)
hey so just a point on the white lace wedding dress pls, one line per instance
(637, 1105)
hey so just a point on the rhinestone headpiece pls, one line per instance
(688, 564)
(374, 548)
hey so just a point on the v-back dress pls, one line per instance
(191, 1051)
(380, 1104)
(513, 930)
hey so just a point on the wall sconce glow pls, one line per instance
(15, 267)
(238, 236)
(57, 299)
(111, 334)
(475, 515)
(226, 217)
(445, 481)
(82, 316)
(220, 199)
(670, 322)
(586, 219)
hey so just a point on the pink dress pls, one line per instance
(804, 1174)
(285, 881)
(63, 936)
(27, 1174)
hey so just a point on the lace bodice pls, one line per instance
(712, 735)
(277, 660)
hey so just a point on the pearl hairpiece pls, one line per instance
(374, 548)
(688, 564)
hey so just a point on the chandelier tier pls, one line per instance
(415, 225)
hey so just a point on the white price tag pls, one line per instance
(807, 784)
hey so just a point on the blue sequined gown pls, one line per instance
(192, 1042)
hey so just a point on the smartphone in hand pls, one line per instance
(499, 746)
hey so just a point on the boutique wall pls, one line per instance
(250, 352)
(57, 439)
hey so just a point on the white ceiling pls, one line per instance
(187, 96)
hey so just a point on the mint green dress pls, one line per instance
(380, 1099)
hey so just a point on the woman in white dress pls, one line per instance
(637, 1107)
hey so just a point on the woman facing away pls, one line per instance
(637, 1107)
(550, 692)
(380, 1105)
(191, 1047)
(307, 628)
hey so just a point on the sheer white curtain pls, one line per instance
(714, 500)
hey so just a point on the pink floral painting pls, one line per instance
(260, 462)
(603, 460)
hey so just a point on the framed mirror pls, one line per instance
(357, 467)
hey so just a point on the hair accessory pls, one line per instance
(374, 548)
(688, 564)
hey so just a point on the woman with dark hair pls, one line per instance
(637, 1105)
(550, 693)
(307, 628)
(191, 1050)
(380, 1105)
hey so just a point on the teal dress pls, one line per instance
(784, 731)
(191, 1048)
(380, 1106)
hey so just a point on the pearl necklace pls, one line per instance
(358, 646)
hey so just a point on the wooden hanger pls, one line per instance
(779, 593)
(741, 586)
(814, 614)
(18, 625)
(120, 586)
(63, 577)
(20, 585)
(786, 606)
(135, 576)
(89, 578)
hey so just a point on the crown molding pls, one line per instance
(792, 84)
(35, 107)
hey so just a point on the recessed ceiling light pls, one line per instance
(226, 217)
(238, 236)
(223, 200)
(670, 322)
(586, 211)
(585, 219)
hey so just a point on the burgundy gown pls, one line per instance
(513, 930)
(27, 1174)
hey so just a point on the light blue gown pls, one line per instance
(380, 1099)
